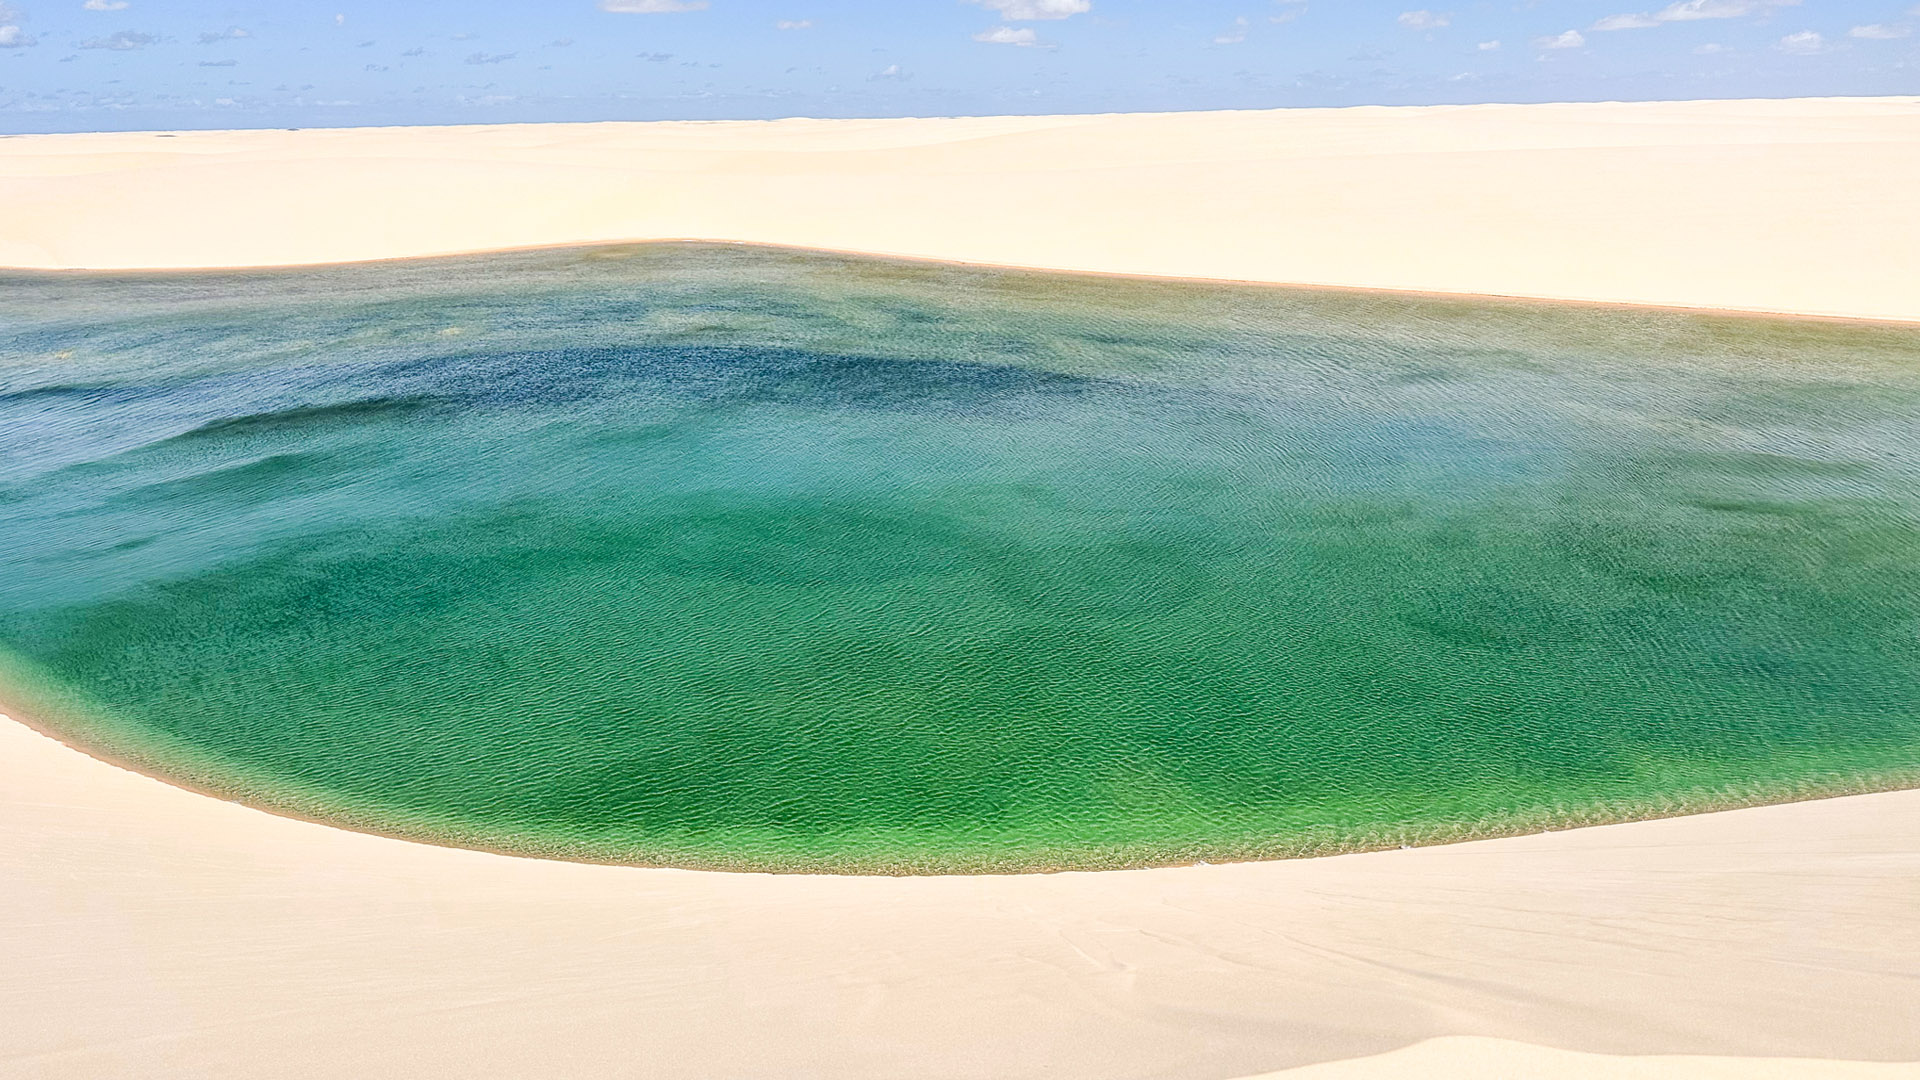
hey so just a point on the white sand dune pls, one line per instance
(1793, 206)
(151, 932)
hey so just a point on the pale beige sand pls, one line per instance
(1795, 206)
(150, 932)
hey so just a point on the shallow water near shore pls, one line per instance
(754, 559)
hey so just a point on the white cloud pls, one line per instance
(106, 5)
(12, 34)
(1488, 46)
(1008, 35)
(231, 33)
(1806, 41)
(1030, 10)
(890, 72)
(1234, 36)
(1572, 39)
(1878, 32)
(1424, 20)
(1710, 48)
(652, 7)
(1691, 11)
(794, 24)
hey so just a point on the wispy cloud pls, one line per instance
(652, 7)
(123, 41)
(106, 5)
(794, 24)
(231, 33)
(1722, 9)
(1235, 34)
(1424, 20)
(490, 58)
(1289, 11)
(1692, 11)
(1488, 46)
(1030, 10)
(1571, 39)
(1878, 32)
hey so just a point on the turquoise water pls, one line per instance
(739, 558)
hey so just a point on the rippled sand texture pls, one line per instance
(742, 558)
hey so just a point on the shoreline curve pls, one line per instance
(1897, 322)
(179, 920)
(292, 811)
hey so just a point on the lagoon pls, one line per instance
(745, 558)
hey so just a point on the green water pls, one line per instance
(734, 558)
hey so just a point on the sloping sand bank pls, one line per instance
(1802, 206)
(152, 932)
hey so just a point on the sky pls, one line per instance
(100, 65)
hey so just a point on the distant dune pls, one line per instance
(1802, 206)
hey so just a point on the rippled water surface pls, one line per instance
(742, 558)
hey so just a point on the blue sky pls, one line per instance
(78, 65)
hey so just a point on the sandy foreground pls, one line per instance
(151, 932)
(1800, 206)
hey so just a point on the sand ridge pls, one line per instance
(1713, 204)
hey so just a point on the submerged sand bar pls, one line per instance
(1801, 206)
